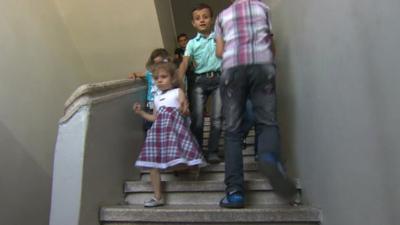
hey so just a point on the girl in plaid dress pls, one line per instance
(169, 142)
(157, 55)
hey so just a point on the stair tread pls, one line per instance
(220, 167)
(192, 176)
(195, 186)
(210, 213)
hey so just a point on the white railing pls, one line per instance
(98, 139)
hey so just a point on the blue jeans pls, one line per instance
(248, 122)
(203, 88)
(257, 84)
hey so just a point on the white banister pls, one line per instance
(98, 140)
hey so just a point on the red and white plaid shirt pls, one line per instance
(245, 27)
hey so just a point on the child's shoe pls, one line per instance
(154, 202)
(232, 200)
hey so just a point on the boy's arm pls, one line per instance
(183, 67)
(220, 44)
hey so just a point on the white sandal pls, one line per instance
(153, 202)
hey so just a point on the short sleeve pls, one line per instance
(269, 24)
(189, 48)
(217, 27)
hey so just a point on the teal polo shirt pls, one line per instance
(201, 49)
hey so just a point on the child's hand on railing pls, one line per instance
(132, 75)
(136, 75)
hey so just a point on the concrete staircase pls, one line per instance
(192, 198)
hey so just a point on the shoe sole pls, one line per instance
(152, 206)
(282, 185)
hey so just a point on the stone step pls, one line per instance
(207, 128)
(203, 192)
(206, 132)
(246, 158)
(220, 167)
(193, 176)
(210, 215)
(210, 172)
(248, 151)
(249, 140)
(206, 223)
(209, 197)
(195, 186)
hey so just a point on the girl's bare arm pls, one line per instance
(147, 116)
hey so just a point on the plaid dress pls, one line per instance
(169, 143)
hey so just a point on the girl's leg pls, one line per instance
(155, 178)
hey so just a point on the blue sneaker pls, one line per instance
(233, 200)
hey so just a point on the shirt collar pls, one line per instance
(199, 36)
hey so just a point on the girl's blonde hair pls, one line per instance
(159, 52)
(170, 68)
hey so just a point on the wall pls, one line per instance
(167, 25)
(47, 49)
(340, 106)
(113, 37)
(183, 13)
(39, 69)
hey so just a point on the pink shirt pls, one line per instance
(245, 27)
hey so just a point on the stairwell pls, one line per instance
(192, 198)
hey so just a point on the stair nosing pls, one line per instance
(210, 213)
(195, 186)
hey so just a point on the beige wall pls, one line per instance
(338, 78)
(47, 49)
(113, 37)
(167, 25)
(39, 69)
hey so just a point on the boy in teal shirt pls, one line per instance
(201, 50)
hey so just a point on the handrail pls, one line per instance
(99, 137)
(88, 94)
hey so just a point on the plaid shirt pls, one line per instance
(245, 27)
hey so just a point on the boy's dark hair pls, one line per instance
(181, 35)
(170, 68)
(203, 6)
(162, 52)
